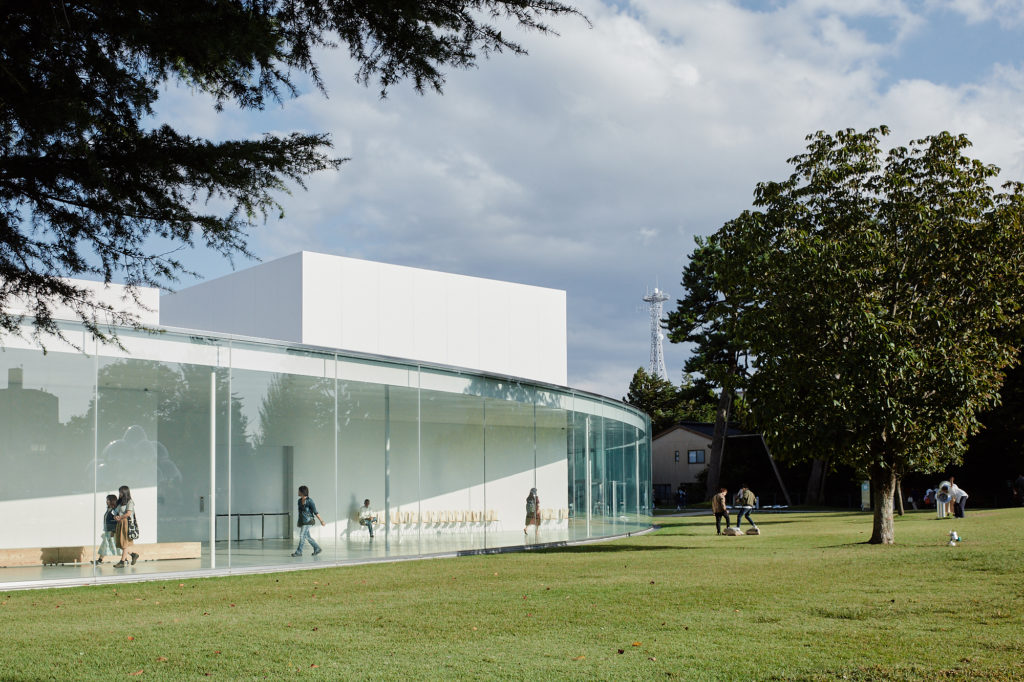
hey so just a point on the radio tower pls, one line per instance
(657, 367)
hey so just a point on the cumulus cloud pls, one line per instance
(591, 164)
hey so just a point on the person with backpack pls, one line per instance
(533, 513)
(307, 512)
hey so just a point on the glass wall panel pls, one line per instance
(362, 440)
(598, 508)
(616, 472)
(553, 431)
(646, 481)
(47, 451)
(512, 466)
(282, 437)
(580, 475)
(453, 463)
(402, 472)
(214, 436)
(153, 426)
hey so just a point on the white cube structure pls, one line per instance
(381, 309)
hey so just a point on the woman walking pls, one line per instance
(533, 513)
(124, 514)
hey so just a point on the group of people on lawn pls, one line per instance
(744, 502)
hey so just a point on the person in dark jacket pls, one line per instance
(307, 517)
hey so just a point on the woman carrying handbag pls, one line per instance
(127, 527)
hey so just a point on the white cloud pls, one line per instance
(590, 164)
(1007, 13)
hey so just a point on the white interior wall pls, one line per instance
(70, 520)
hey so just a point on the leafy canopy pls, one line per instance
(667, 404)
(879, 296)
(87, 188)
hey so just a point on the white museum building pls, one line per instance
(441, 398)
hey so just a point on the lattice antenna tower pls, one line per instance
(657, 367)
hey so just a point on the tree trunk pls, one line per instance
(883, 486)
(718, 441)
(899, 498)
(816, 481)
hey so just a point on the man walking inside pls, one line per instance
(745, 501)
(718, 506)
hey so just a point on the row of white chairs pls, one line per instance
(448, 521)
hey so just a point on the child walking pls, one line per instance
(107, 547)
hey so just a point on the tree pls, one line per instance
(701, 318)
(878, 295)
(995, 455)
(88, 189)
(664, 403)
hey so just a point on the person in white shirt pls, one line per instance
(959, 498)
(366, 517)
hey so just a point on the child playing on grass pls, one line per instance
(107, 547)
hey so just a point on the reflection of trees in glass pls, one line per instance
(33, 443)
(295, 408)
(171, 403)
(511, 390)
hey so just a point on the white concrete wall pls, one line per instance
(74, 520)
(434, 317)
(263, 301)
(403, 312)
(147, 309)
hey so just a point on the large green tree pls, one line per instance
(90, 186)
(879, 296)
(667, 404)
(701, 319)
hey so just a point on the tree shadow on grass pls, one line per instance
(843, 544)
(605, 548)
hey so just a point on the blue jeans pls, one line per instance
(369, 525)
(743, 511)
(303, 536)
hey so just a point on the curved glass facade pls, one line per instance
(214, 435)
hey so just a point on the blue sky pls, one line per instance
(592, 163)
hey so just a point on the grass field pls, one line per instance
(806, 600)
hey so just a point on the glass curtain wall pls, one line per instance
(213, 438)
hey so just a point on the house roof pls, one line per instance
(703, 428)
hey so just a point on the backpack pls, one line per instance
(531, 505)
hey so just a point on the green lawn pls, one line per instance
(806, 600)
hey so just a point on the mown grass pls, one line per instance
(805, 601)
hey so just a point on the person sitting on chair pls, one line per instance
(366, 517)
